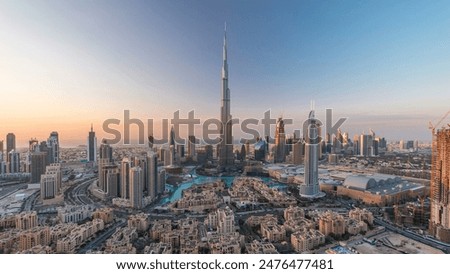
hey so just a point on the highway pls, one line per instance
(29, 203)
(78, 194)
(417, 237)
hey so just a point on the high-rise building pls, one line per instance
(104, 164)
(152, 169)
(33, 145)
(106, 151)
(10, 144)
(136, 187)
(112, 180)
(440, 185)
(51, 182)
(161, 181)
(191, 146)
(260, 150)
(38, 163)
(298, 152)
(366, 145)
(356, 146)
(125, 167)
(310, 186)
(225, 147)
(92, 146)
(280, 142)
(14, 161)
(1, 147)
(53, 144)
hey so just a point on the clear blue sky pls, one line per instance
(383, 64)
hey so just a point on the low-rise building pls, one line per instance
(331, 223)
(307, 239)
(139, 221)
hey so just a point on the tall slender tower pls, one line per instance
(310, 186)
(10, 144)
(92, 146)
(280, 142)
(226, 157)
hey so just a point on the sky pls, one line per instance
(66, 64)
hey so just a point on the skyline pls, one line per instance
(75, 63)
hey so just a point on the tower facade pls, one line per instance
(310, 186)
(10, 144)
(225, 148)
(280, 142)
(440, 185)
(92, 146)
(152, 169)
(136, 186)
(53, 145)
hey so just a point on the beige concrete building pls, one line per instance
(256, 220)
(104, 213)
(139, 221)
(33, 237)
(78, 236)
(158, 248)
(273, 232)
(8, 221)
(159, 227)
(200, 197)
(331, 223)
(26, 220)
(293, 213)
(38, 249)
(121, 241)
(361, 215)
(307, 239)
(354, 227)
(257, 247)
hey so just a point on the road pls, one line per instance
(102, 237)
(29, 203)
(78, 194)
(417, 237)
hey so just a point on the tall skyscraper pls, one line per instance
(191, 146)
(105, 163)
(310, 186)
(14, 162)
(136, 187)
(440, 185)
(298, 152)
(125, 167)
(10, 143)
(106, 151)
(152, 181)
(38, 162)
(172, 148)
(280, 142)
(1, 147)
(92, 146)
(226, 156)
(53, 144)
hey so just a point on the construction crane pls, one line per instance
(433, 127)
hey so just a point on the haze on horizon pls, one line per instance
(67, 64)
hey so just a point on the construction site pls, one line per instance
(439, 224)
